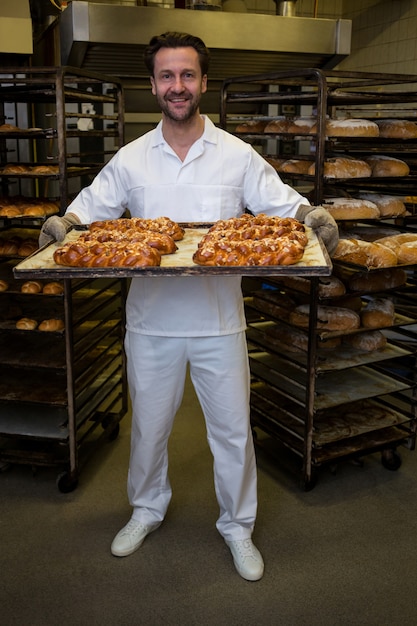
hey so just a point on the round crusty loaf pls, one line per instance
(343, 167)
(389, 206)
(51, 325)
(351, 128)
(31, 286)
(328, 286)
(407, 253)
(295, 166)
(351, 208)
(55, 289)
(367, 253)
(393, 242)
(378, 280)
(397, 129)
(378, 313)
(383, 165)
(251, 126)
(25, 323)
(331, 318)
(4, 285)
(366, 341)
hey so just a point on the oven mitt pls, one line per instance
(322, 222)
(55, 228)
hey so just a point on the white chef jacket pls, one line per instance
(220, 177)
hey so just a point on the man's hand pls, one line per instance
(56, 228)
(322, 222)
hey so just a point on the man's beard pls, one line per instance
(183, 116)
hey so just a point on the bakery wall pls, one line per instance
(383, 31)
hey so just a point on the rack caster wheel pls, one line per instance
(66, 483)
(391, 460)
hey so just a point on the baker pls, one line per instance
(188, 170)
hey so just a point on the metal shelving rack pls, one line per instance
(61, 393)
(301, 401)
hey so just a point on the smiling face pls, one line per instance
(178, 83)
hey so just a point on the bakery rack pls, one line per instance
(62, 393)
(321, 405)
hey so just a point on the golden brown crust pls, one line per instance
(107, 254)
(159, 225)
(366, 253)
(31, 286)
(344, 167)
(51, 325)
(4, 285)
(397, 129)
(351, 208)
(54, 288)
(351, 128)
(25, 323)
(251, 126)
(252, 240)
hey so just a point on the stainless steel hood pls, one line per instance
(110, 39)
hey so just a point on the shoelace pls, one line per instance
(245, 548)
(132, 527)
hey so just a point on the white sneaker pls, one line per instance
(247, 559)
(131, 537)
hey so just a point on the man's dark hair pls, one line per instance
(176, 40)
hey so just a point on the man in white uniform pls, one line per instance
(188, 170)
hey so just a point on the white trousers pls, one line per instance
(219, 370)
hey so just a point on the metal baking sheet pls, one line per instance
(315, 262)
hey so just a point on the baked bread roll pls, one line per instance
(378, 280)
(295, 166)
(51, 325)
(44, 169)
(351, 208)
(251, 126)
(366, 341)
(382, 165)
(394, 242)
(389, 206)
(53, 289)
(328, 286)
(9, 247)
(15, 169)
(329, 318)
(343, 167)
(31, 286)
(351, 128)
(378, 313)
(7, 128)
(278, 126)
(302, 126)
(34, 210)
(10, 211)
(28, 247)
(4, 285)
(366, 253)
(397, 129)
(407, 253)
(25, 323)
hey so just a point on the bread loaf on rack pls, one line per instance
(329, 318)
(366, 253)
(51, 325)
(383, 165)
(351, 208)
(378, 313)
(366, 341)
(343, 167)
(397, 129)
(378, 280)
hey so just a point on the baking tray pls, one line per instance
(315, 262)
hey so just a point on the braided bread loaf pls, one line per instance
(107, 254)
